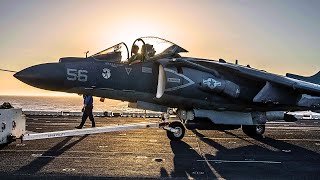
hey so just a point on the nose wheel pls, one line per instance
(179, 131)
(254, 130)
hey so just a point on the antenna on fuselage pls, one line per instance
(87, 54)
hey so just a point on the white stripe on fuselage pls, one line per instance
(190, 82)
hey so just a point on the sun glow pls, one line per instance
(130, 31)
(40, 33)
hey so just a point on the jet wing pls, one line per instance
(295, 84)
(275, 84)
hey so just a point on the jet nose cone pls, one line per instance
(24, 75)
(49, 76)
(17, 75)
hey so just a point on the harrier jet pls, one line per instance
(205, 94)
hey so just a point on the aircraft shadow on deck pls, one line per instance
(41, 161)
(283, 160)
(295, 161)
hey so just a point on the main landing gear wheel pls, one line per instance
(177, 136)
(254, 130)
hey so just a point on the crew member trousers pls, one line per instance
(87, 113)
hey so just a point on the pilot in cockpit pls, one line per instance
(136, 57)
(149, 50)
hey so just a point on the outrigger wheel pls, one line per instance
(177, 136)
(254, 130)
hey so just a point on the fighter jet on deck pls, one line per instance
(207, 94)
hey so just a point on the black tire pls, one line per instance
(180, 134)
(254, 130)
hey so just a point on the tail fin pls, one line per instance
(312, 79)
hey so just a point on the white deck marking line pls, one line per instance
(296, 128)
(233, 161)
(214, 138)
(280, 122)
(89, 152)
(291, 130)
(70, 157)
(315, 140)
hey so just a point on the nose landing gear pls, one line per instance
(179, 131)
(254, 130)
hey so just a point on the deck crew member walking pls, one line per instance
(87, 111)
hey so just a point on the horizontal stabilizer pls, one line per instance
(312, 79)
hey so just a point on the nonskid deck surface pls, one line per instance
(288, 150)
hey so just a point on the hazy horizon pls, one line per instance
(277, 36)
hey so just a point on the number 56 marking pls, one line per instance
(77, 75)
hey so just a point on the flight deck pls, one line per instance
(286, 151)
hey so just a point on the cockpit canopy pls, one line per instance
(150, 48)
(116, 53)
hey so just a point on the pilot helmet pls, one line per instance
(149, 50)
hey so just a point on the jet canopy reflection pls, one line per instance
(150, 48)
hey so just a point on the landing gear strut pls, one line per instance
(175, 130)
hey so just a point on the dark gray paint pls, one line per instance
(132, 83)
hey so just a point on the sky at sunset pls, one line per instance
(275, 35)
